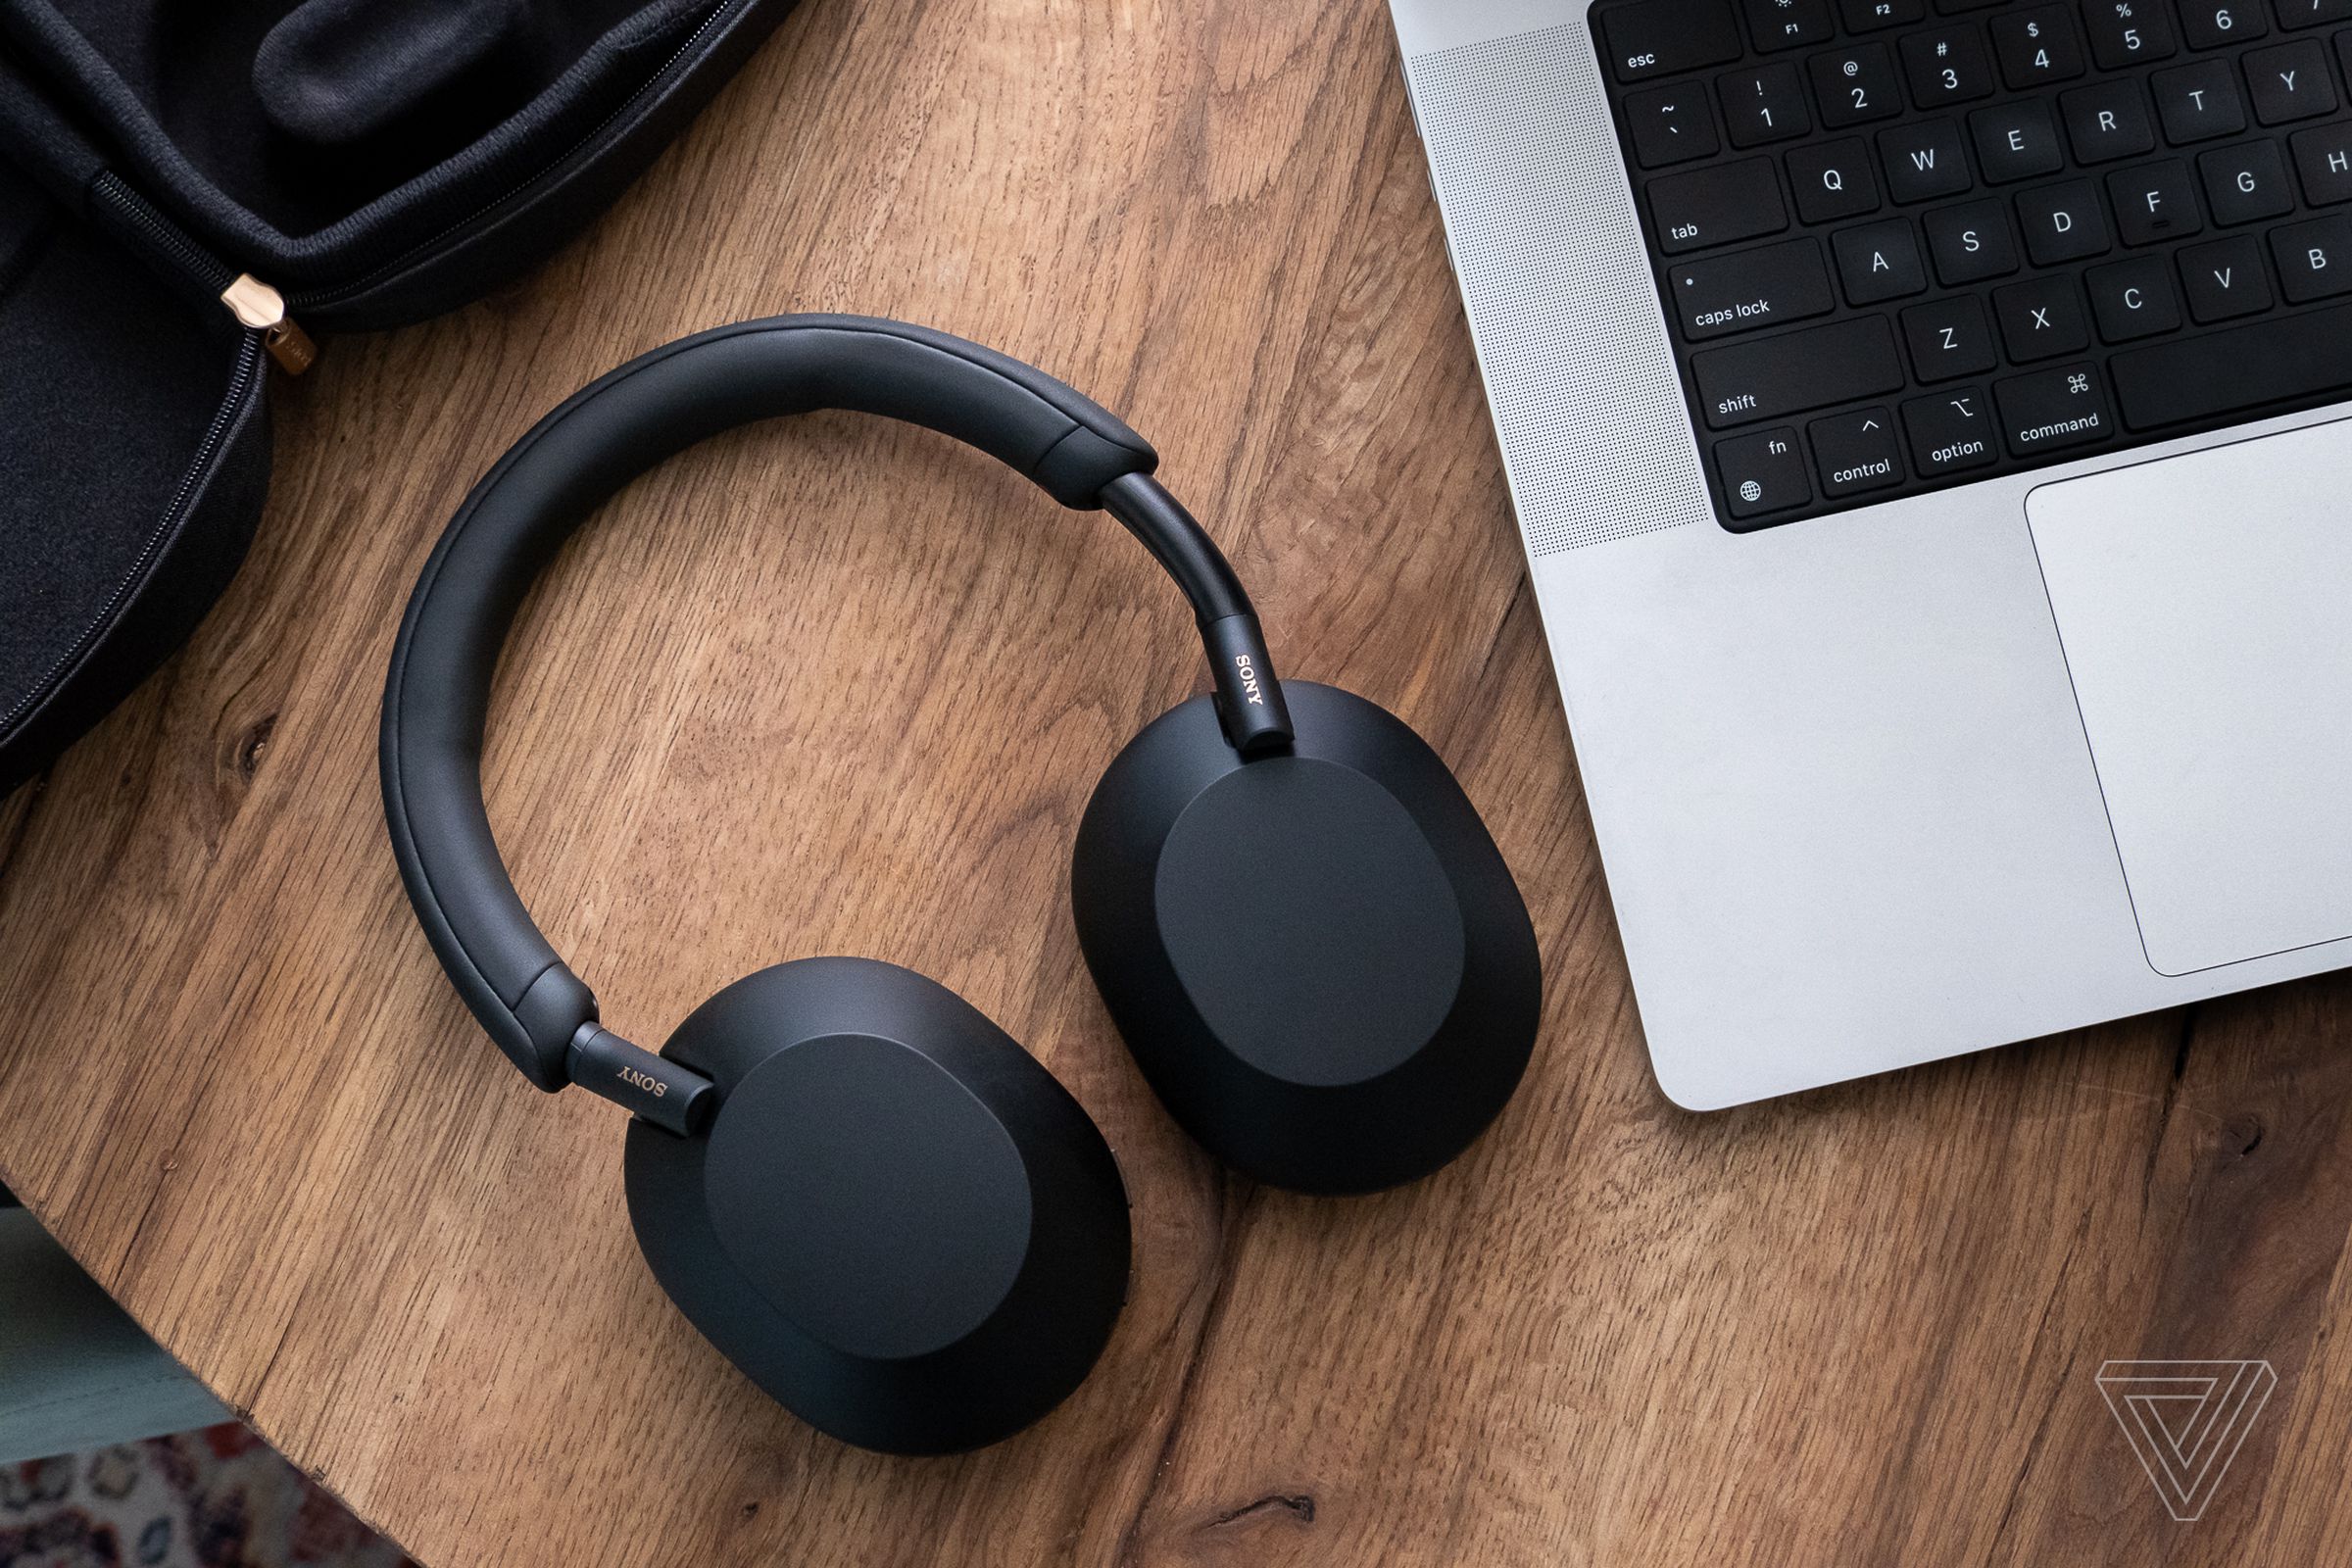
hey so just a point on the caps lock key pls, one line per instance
(1727, 294)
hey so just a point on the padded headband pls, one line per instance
(437, 699)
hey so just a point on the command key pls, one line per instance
(2053, 409)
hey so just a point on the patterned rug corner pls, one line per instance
(216, 1498)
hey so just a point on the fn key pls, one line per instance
(1762, 472)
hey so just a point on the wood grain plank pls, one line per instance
(781, 700)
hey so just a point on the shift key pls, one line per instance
(1770, 377)
(1716, 205)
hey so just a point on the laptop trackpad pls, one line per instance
(2205, 604)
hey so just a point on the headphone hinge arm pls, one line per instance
(1249, 704)
(672, 1097)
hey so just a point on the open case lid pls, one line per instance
(376, 161)
(360, 163)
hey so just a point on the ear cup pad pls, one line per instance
(899, 1224)
(1317, 956)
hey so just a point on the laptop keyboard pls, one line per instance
(1909, 244)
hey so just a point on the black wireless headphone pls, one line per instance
(858, 1188)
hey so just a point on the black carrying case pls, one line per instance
(189, 194)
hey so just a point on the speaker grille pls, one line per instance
(1545, 240)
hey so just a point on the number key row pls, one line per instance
(1659, 38)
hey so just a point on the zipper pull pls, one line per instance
(262, 308)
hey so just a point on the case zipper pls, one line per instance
(240, 386)
(305, 299)
(257, 306)
(262, 308)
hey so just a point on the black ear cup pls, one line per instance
(1317, 956)
(899, 1224)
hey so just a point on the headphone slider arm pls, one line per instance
(660, 1090)
(1249, 704)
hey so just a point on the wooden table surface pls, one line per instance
(1857, 1327)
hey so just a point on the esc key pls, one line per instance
(1666, 37)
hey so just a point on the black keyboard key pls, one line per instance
(2246, 183)
(1833, 181)
(1950, 433)
(1790, 24)
(1856, 85)
(1720, 205)
(1670, 125)
(2040, 318)
(1879, 262)
(2283, 359)
(1762, 474)
(1949, 339)
(2133, 299)
(2291, 82)
(1869, 16)
(2016, 140)
(2063, 223)
(1970, 242)
(2214, 23)
(2106, 121)
(1763, 104)
(2049, 410)
(2323, 158)
(2128, 32)
(1667, 38)
(2225, 279)
(2298, 14)
(1856, 453)
(2155, 202)
(2315, 259)
(1924, 159)
(1773, 377)
(1751, 289)
(1947, 65)
(2198, 102)
(2037, 47)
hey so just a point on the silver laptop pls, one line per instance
(1928, 427)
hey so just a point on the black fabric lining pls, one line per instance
(238, 151)
(107, 386)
